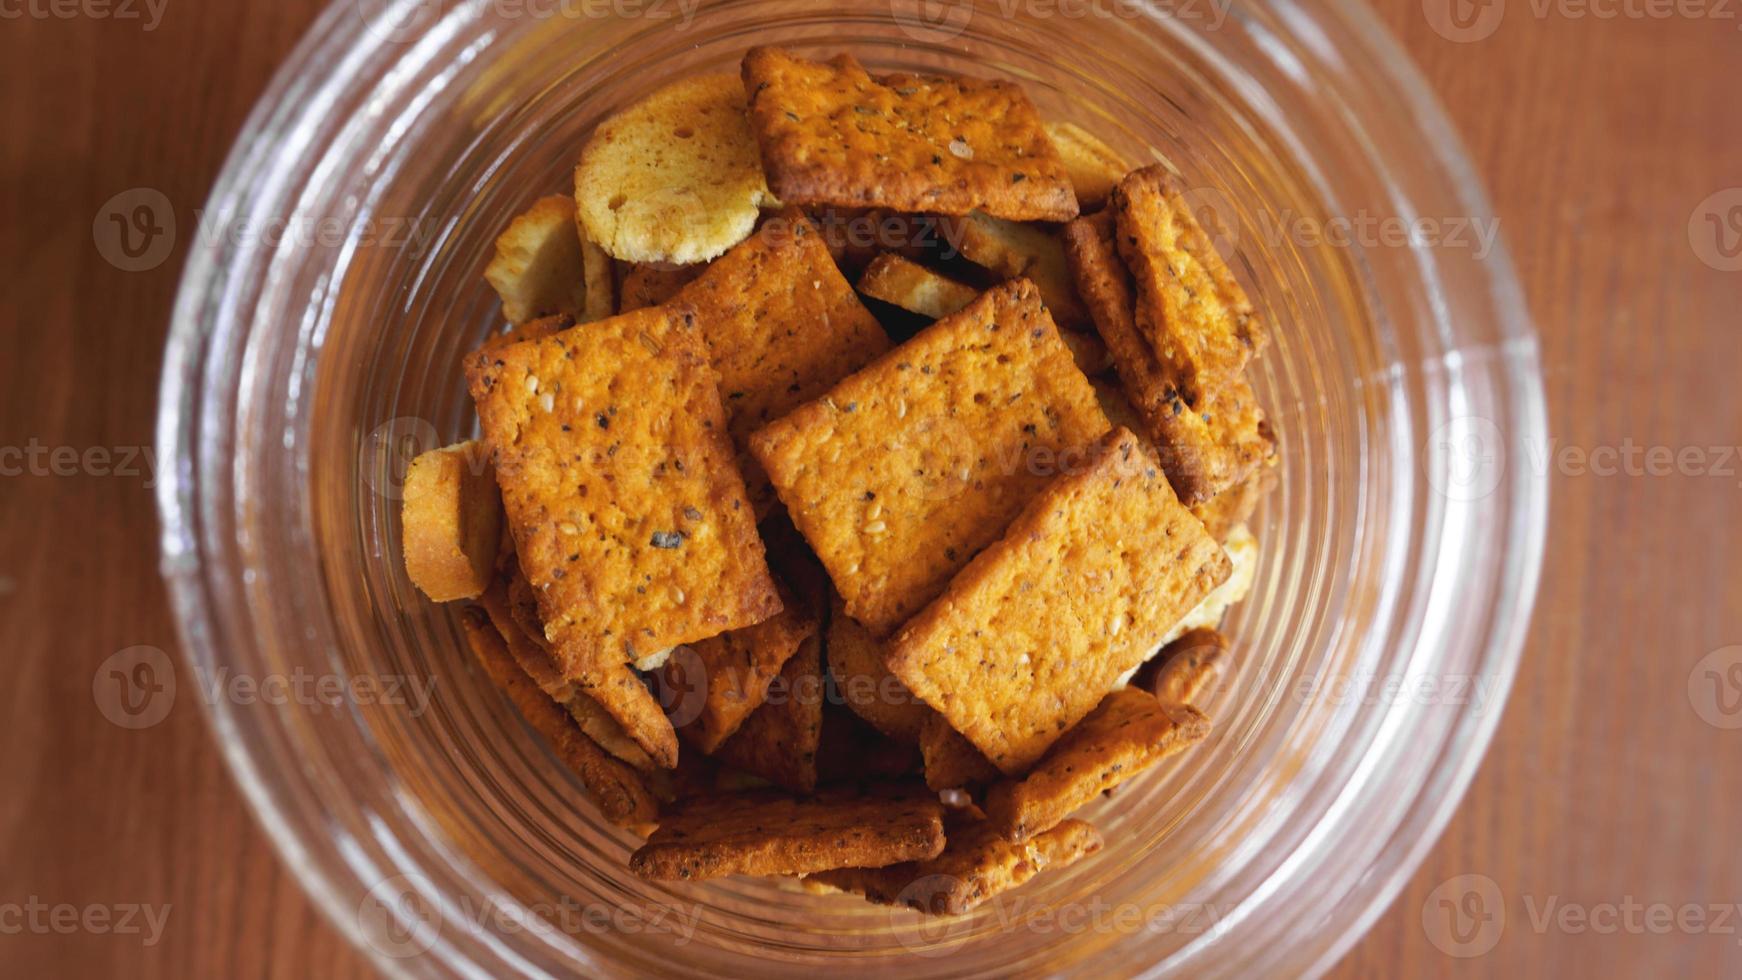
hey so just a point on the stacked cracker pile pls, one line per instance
(785, 573)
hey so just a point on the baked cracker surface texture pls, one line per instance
(715, 684)
(771, 833)
(779, 740)
(1084, 585)
(833, 133)
(628, 515)
(1125, 735)
(908, 468)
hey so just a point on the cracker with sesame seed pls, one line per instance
(951, 761)
(617, 788)
(1190, 309)
(1011, 249)
(1107, 548)
(451, 522)
(629, 518)
(1095, 167)
(1204, 451)
(866, 685)
(1126, 734)
(905, 470)
(976, 864)
(675, 177)
(913, 287)
(538, 269)
(832, 133)
(770, 833)
(728, 676)
(778, 742)
(644, 284)
(782, 325)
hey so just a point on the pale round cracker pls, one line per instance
(676, 177)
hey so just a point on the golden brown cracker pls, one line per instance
(905, 470)
(1203, 452)
(451, 522)
(538, 269)
(778, 742)
(644, 284)
(976, 864)
(775, 834)
(951, 761)
(1185, 668)
(720, 681)
(913, 287)
(526, 647)
(1190, 309)
(1011, 249)
(617, 788)
(831, 133)
(866, 685)
(1234, 506)
(1129, 732)
(1094, 167)
(675, 177)
(1106, 548)
(781, 325)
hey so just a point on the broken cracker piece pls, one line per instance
(913, 287)
(617, 788)
(725, 678)
(774, 834)
(831, 133)
(951, 761)
(538, 269)
(1095, 167)
(526, 647)
(778, 742)
(450, 522)
(1190, 309)
(1185, 668)
(866, 685)
(644, 284)
(675, 177)
(781, 326)
(1204, 452)
(905, 470)
(1129, 732)
(977, 863)
(1106, 547)
(1011, 249)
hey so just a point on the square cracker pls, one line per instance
(628, 516)
(905, 470)
(620, 792)
(1095, 167)
(951, 761)
(1107, 551)
(771, 833)
(781, 325)
(1204, 452)
(717, 683)
(1129, 732)
(1190, 310)
(644, 284)
(779, 740)
(905, 283)
(832, 133)
(865, 684)
(976, 864)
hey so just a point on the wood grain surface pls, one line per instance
(1605, 811)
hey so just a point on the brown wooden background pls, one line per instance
(1599, 139)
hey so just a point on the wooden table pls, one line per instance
(1606, 792)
